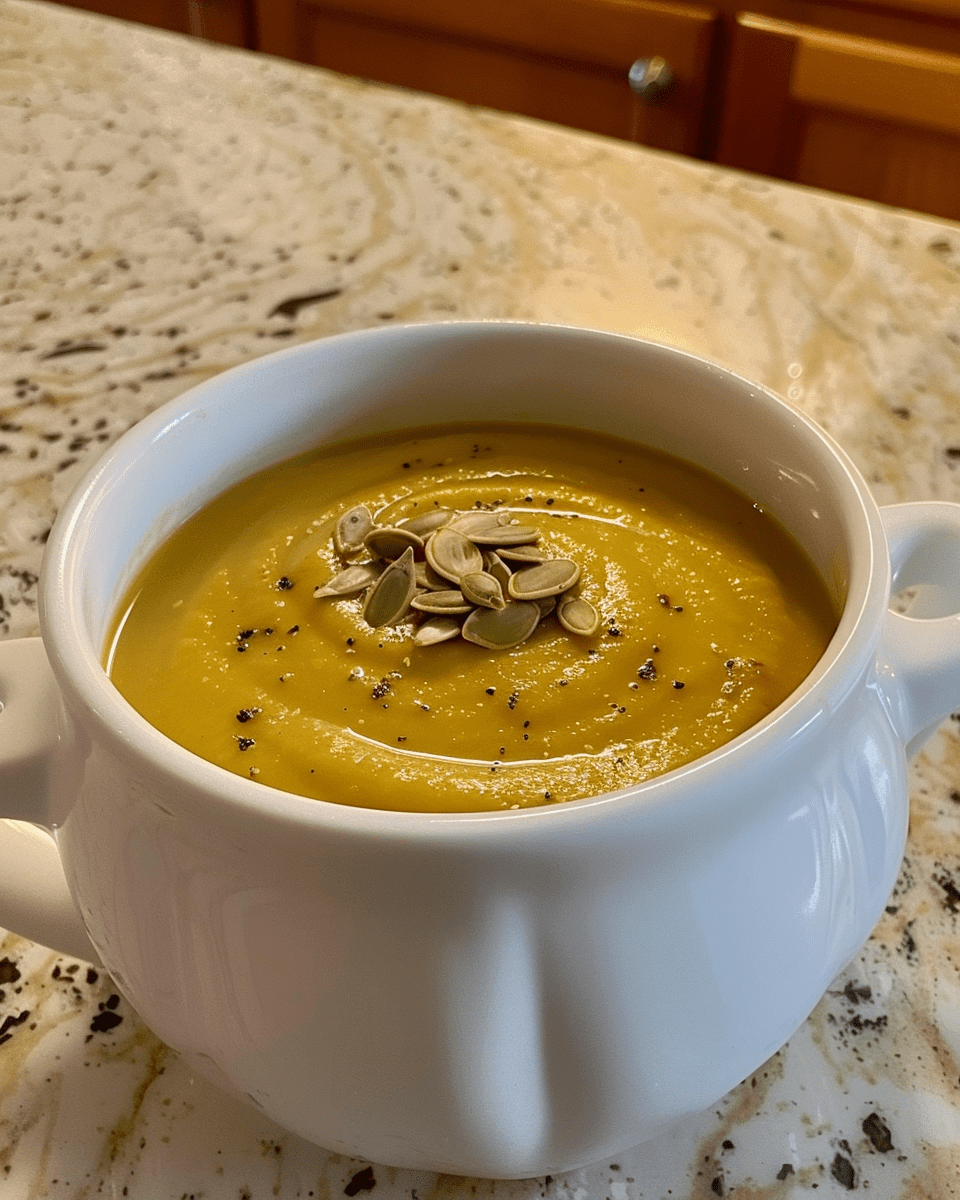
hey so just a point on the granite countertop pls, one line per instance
(170, 208)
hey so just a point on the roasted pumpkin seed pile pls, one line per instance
(479, 574)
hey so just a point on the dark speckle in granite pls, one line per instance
(951, 893)
(362, 1181)
(107, 1017)
(62, 349)
(878, 1132)
(11, 1023)
(842, 1170)
(9, 971)
(290, 308)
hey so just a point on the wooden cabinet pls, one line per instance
(560, 60)
(229, 21)
(852, 97)
(866, 116)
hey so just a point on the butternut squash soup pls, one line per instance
(467, 619)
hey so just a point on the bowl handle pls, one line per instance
(37, 754)
(919, 663)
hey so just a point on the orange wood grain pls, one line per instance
(850, 114)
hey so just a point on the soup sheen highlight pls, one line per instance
(710, 616)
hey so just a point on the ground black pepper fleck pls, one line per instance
(678, 684)
(244, 743)
(284, 584)
(247, 714)
(491, 691)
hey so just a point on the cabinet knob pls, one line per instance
(650, 78)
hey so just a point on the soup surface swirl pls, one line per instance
(710, 616)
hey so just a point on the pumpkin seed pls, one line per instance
(494, 565)
(350, 530)
(578, 616)
(427, 522)
(475, 521)
(452, 555)
(452, 602)
(548, 579)
(501, 628)
(350, 582)
(389, 598)
(546, 604)
(523, 554)
(437, 629)
(390, 542)
(505, 535)
(428, 579)
(481, 588)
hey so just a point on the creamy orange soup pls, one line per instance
(709, 617)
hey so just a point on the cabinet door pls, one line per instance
(875, 119)
(227, 21)
(566, 62)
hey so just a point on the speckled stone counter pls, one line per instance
(170, 208)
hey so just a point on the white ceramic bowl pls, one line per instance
(495, 994)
